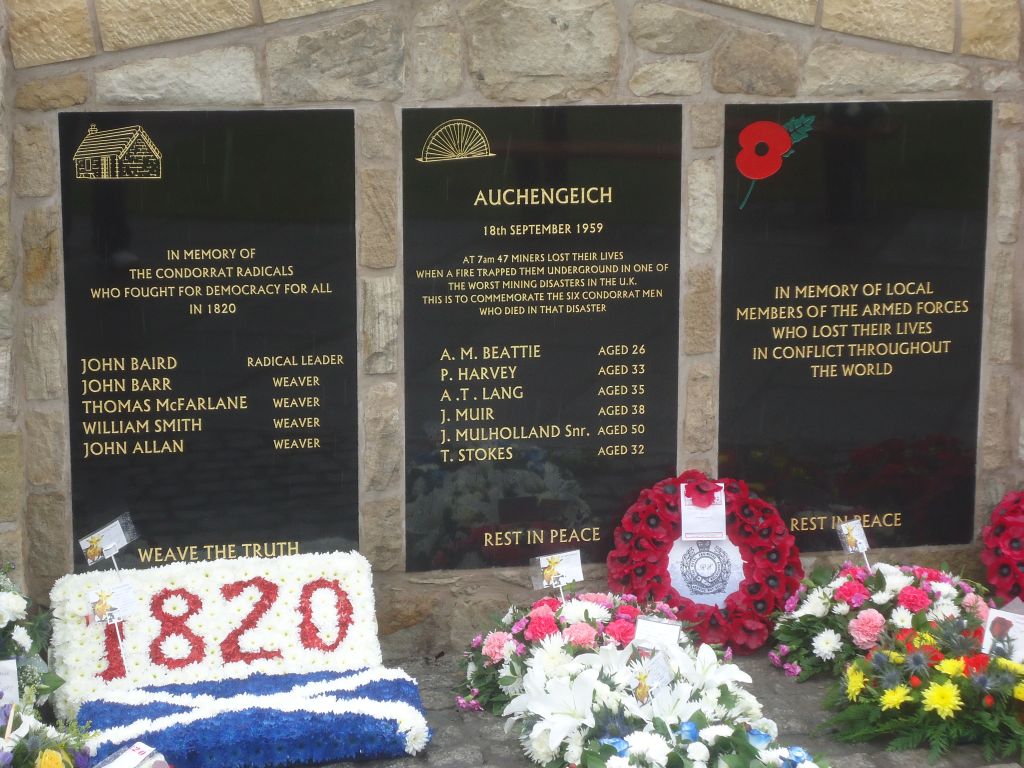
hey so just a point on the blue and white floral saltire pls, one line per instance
(266, 720)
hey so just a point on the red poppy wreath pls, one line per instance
(1003, 553)
(651, 562)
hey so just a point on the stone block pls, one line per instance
(12, 477)
(802, 11)
(48, 529)
(275, 10)
(382, 309)
(377, 132)
(997, 79)
(44, 447)
(702, 205)
(1007, 193)
(1000, 347)
(757, 64)
(5, 164)
(668, 77)
(921, 23)
(35, 161)
(707, 123)
(6, 381)
(378, 218)
(700, 418)
(45, 32)
(7, 261)
(665, 28)
(700, 311)
(382, 538)
(436, 62)
(6, 315)
(994, 441)
(131, 23)
(1010, 114)
(990, 28)
(382, 431)
(41, 256)
(218, 77)
(12, 550)
(53, 93)
(532, 49)
(1020, 439)
(42, 341)
(358, 59)
(841, 70)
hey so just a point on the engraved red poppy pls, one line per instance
(762, 146)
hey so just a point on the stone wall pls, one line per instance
(378, 56)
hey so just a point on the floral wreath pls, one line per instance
(771, 561)
(1003, 553)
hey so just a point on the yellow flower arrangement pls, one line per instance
(1010, 666)
(942, 698)
(892, 698)
(50, 758)
(854, 682)
(951, 667)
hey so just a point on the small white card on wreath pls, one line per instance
(1004, 631)
(108, 540)
(113, 605)
(135, 756)
(9, 681)
(553, 571)
(703, 523)
(656, 632)
(852, 536)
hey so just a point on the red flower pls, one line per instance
(853, 593)
(627, 611)
(309, 633)
(551, 602)
(915, 681)
(914, 599)
(763, 145)
(748, 634)
(702, 492)
(540, 627)
(989, 701)
(621, 631)
(975, 664)
(1004, 575)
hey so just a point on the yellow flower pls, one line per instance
(49, 758)
(1018, 691)
(895, 658)
(923, 638)
(951, 667)
(1007, 664)
(854, 682)
(942, 698)
(894, 697)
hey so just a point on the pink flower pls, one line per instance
(853, 593)
(976, 605)
(792, 670)
(494, 646)
(598, 598)
(468, 705)
(728, 653)
(775, 659)
(866, 628)
(791, 602)
(476, 641)
(551, 602)
(858, 572)
(666, 610)
(913, 599)
(520, 625)
(621, 631)
(580, 634)
(541, 626)
(541, 610)
(783, 650)
(629, 612)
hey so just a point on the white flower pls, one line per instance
(562, 706)
(176, 647)
(841, 608)
(943, 590)
(175, 605)
(713, 732)
(697, 750)
(943, 609)
(536, 746)
(895, 578)
(883, 597)
(507, 671)
(12, 607)
(20, 635)
(815, 604)
(617, 762)
(550, 656)
(649, 746)
(575, 611)
(902, 618)
(510, 616)
(574, 746)
(773, 756)
(826, 643)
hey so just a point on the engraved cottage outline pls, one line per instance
(118, 153)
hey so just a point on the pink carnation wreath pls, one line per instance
(771, 561)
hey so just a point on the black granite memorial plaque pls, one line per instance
(852, 286)
(541, 317)
(210, 292)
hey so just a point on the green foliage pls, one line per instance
(799, 127)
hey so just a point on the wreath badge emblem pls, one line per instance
(705, 569)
